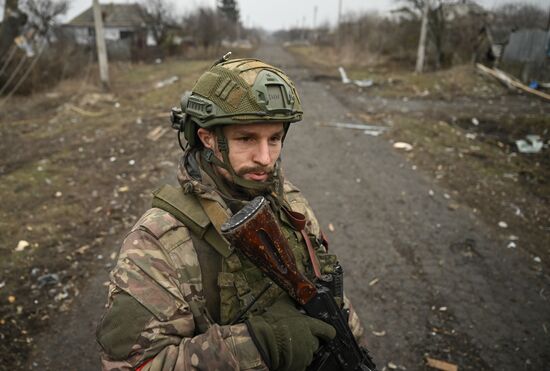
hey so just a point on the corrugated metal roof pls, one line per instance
(114, 15)
(527, 46)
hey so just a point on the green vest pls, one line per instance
(229, 280)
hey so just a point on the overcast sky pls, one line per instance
(278, 14)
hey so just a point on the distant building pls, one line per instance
(126, 26)
(527, 55)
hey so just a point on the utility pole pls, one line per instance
(339, 21)
(10, 27)
(315, 9)
(101, 49)
(422, 42)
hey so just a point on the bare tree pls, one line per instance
(162, 17)
(205, 25)
(516, 16)
(14, 20)
(44, 14)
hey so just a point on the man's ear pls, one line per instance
(207, 137)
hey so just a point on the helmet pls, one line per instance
(237, 92)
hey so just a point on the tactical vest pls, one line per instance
(229, 280)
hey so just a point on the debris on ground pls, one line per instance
(402, 145)
(373, 130)
(157, 133)
(48, 279)
(503, 224)
(373, 282)
(165, 82)
(531, 144)
(510, 81)
(83, 112)
(330, 227)
(441, 365)
(22, 245)
(379, 333)
(360, 83)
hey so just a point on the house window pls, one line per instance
(126, 34)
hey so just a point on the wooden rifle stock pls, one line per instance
(255, 231)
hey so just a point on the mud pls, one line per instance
(428, 280)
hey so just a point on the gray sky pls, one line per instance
(278, 14)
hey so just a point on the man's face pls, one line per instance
(253, 149)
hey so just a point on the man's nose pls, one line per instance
(262, 155)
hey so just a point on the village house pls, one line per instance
(127, 27)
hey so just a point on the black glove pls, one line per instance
(287, 338)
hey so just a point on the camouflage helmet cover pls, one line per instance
(240, 91)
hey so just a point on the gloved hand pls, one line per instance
(287, 338)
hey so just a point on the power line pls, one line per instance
(14, 73)
(8, 60)
(24, 76)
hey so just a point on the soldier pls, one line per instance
(179, 286)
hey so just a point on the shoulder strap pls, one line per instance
(188, 210)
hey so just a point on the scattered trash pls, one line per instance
(48, 279)
(502, 224)
(82, 249)
(99, 257)
(534, 84)
(2, 284)
(379, 333)
(511, 245)
(513, 238)
(58, 194)
(471, 136)
(139, 121)
(158, 61)
(11, 299)
(475, 121)
(117, 105)
(132, 162)
(373, 130)
(446, 196)
(61, 296)
(123, 189)
(442, 309)
(532, 144)
(537, 259)
(22, 245)
(402, 145)
(168, 81)
(113, 256)
(157, 133)
(112, 159)
(83, 112)
(453, 206)
(330, 227)
(360, 83)
(441, 365)
(510, 81)
(373, 282)
(392, 366)
(431, 193)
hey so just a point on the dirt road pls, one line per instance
(425, 279)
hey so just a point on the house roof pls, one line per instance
(114, 15)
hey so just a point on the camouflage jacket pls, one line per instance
(149, 323)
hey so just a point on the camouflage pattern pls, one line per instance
(151, 318)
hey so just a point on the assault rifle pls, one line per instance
(255, 231)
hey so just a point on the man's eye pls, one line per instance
(244, 139)
(275, 139)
